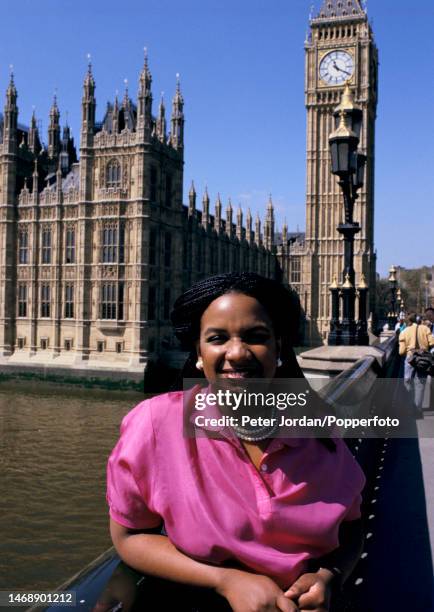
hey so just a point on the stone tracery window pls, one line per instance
(69, 301)
(295, 269)
(23, 246)
(46, 246)
(70, 245)
(112, 301)
(22, 300)
(109, 243)
(113, 173)
(45, 301)
(113, 243)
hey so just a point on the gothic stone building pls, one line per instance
(340, 48)
(94, 252)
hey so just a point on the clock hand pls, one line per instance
(340, 69)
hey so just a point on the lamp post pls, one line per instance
(393, 283)
(348, 165)
(362, 323)
(335, 328)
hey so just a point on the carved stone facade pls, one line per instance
(340, 48)
(94, 252)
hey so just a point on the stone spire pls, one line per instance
(35, 182)
(269, 225)
(258, 240)
(59, 179)
(88, 106)
(126, 100)
(144, 101)
(11, 92)
(284, 233)
(249, 233)
(34, 142)
(205, 209)
(191, 200)
(54, 130)
(229, 214)
(10, 117)
(115, 115)
(239, 223)
(161, 120)
(218, 214)
(177, 118)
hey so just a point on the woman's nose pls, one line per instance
(236, 350)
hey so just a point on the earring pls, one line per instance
(279, 362)
(199, 364)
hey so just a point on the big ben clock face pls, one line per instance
(336, 67)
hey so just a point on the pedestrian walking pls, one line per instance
(401, 324)
(416, 336)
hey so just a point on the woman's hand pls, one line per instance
(312, 591)
(248, 592)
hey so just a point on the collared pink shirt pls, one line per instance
(217, 507)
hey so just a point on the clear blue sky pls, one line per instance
(242, 75)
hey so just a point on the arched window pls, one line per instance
(113, 173)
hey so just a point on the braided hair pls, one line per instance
(280, 303)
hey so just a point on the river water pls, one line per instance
(54, 445)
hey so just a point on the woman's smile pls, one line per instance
(240, 373)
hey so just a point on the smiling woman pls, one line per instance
(261, 524)
(237, 339)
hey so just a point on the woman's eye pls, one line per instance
(217, 339)
(257, 338)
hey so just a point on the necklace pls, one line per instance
(256, 434)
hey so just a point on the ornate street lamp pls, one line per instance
(392, 316)
(348, 165)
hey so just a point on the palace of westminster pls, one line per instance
(94, 251)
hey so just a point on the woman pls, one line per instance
(268, 524)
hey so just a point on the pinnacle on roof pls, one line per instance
(126, 100)
(178, 95)
(178, 101)
(205, 195)
(54, 110)
(145, 75)
(88, 79)
(11, 90)
(192, 189)
(340, 8)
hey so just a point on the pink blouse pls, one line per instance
(216, 506)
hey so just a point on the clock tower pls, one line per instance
(340, 49)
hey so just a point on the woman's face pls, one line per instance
(237, 339)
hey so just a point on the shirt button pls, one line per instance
(264, 467)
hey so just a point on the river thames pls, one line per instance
(54, 445)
